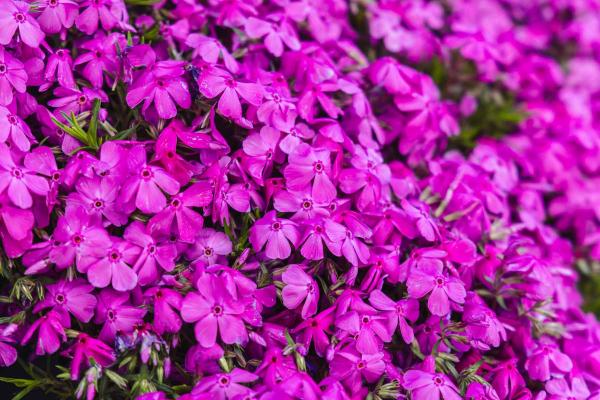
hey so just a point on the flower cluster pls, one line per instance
(308, 199)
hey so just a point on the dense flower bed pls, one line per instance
(312, 199)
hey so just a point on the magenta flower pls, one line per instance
(76, 235)
(430, 386)
(14, 128)
(425, 224)
(276, 233)
(161, 86)
(97, 11)
(369, 329)
(210, 50)
(86, 348)
(546, 360)
(300, 287)
(66, 297)
(14, 16)
(443, 288)
(350, 367)
(50, 333)
(99, 197)
(143, 187)
(57, 15)
(279, 111)
(506, 379)
(226, 386)
(60, 68)
(19, 182)
(112, 266)
(151, 255)
(396, 313)
(73, 100)
(117, 315)
(274, 35)
(209, 247)
(230, 90)
(13, 77)
(214, 311)
(326, 231)
(311, 166)
(179, 217)
(16, 229)
(8, 354)
(100, 57)
(165, 301)
(300, 203)
(262, 151)
(315, 330)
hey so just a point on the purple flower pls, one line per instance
(214, 310)
(8, 354)
(99, 197)
(300, 287)
(274, 35)
(276, 233)
(14, 16)
(369, 329)
(430, 386)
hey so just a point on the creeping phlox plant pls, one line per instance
(299, 199)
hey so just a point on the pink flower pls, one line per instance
(262, 151)
(276, 233)
(18, 181)
(213, 85)
(117, 315)
(350, 366)
(369, 329)
(546, 360)
(277, 110)
(74, 100)
(152, 253)
(430, 386)
(50, 333)
(214, 310)
(102, 11)
(424, 222)
(315, 329)
(145, 183)
(99, 58)
(165, 301)
(443, 288)
(308, 166)
(162, 85)
(112, 266)
(14, 128)
(69, 297)
(318, 232)
(76, 235)
(226, 386)
(275, 36)
(99, 197)
(86, 348)
(14, 15)
(506, 379)
(209, 247)
(179, 217)
(8, 354)
(57, 14)
(16, 229)
(13, 76)
(396, 313)
(210, 49)
(299, 288)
